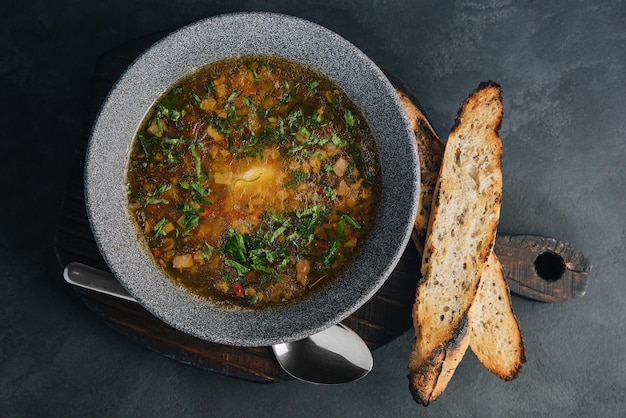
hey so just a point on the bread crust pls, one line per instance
(453, 354)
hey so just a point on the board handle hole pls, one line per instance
(549, 266)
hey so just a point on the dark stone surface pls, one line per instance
(561, 65)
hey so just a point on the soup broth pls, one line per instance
(254, 181)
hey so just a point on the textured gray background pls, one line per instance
(561, 65)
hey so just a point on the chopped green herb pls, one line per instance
(157, 122)
(173, 141)
(161, 189)
(155, 201)
(248, 102)
(197, 162)
(298, 176)
(241, 269)
(255, 76)
(168, 110)
(341, 226)
(311, 87)
(336, 140)
(209, 89)
(295, 117)
(329, 191)
(351, 121)
(158, 228)
(232, 96)
(198, 192)
(330, 254)
(349, 219)
(231, 113)
(278, 232)
(153, 197)
(190, 219)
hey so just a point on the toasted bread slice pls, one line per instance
(460, 235)
(439, 371)
(436, 374)
(495, 335)
(430, 151)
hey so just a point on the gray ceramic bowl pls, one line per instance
(172, 58)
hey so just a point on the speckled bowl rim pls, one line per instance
(155, 71)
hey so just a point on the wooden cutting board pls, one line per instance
(383, 318)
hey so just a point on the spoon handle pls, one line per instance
(91, 278)
(541, 268)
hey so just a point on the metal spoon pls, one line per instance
(335, 355)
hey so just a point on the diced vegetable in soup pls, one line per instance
(254, 181)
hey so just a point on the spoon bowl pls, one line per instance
(333, 356)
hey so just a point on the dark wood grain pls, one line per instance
(383, 318)
(542, 268)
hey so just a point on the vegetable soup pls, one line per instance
(254, 181)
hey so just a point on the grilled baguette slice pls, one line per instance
(430, 151)
(460, 235)
(495, 335)
(435, 375)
